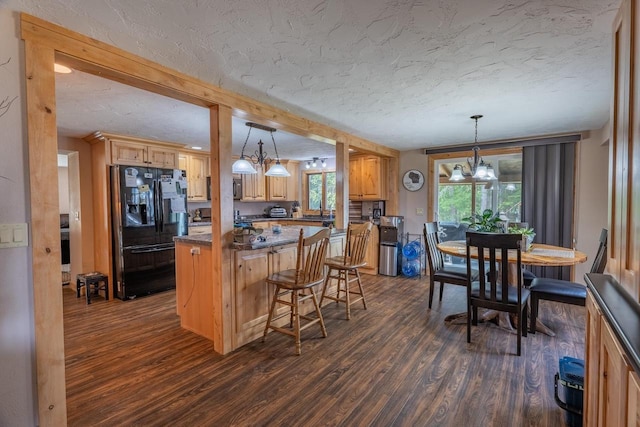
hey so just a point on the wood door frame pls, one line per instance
(46, 43)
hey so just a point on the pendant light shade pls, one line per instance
(456, 174)
(278, 170)
(243, 166)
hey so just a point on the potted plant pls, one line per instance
(527, 235)
(487, 222)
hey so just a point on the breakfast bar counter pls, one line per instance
(251, 264)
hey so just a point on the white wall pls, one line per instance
(17, 371)
(591, 196)
(411, 201)
(63, 189)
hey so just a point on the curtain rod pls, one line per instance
(564, 139)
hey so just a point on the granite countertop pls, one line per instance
(288, 235)
(199, 223)
(198, 239)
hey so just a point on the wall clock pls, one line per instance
(413, 180)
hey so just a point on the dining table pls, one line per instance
(538, 254)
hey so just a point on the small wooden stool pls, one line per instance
(92, 283)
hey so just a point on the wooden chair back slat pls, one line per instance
(357, 241)
(434, 256)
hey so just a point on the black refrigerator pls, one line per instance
(148, 208)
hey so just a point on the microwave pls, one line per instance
(237, 188)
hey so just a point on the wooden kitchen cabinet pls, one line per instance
(608, 394)
(254, 186)
(592, 362)
(614, 374)
(633, 409)
(367, 178)
(284, 188)
(197, 168)
(126, 152)
(372, 252)
(194, 293)
(252, 295)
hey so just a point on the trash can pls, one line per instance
(570, 379)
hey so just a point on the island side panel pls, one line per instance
(194, 291)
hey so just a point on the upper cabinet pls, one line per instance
(127, 150)
(259, 188)
(285, 189)
(133, 153)
(254, 186)
(367, 178)
(197, 167)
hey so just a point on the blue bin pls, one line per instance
(571, 379)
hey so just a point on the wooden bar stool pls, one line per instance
(92, 282)
(295, 283)
(355, 252)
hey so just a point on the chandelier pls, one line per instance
(244, 165)
(479, 169)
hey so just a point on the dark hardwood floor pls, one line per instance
(395, 364)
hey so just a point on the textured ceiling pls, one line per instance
(402, 73)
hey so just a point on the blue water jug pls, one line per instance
(411, 268)
(412, 250)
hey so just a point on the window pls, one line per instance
(458, 200)
(319, 191)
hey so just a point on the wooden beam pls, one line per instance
(45, 235)
(342, 185)
(222, 228)
(95, 57)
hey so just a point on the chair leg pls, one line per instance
(523, 317)
(325, 285)
(534, 313)
(296, 322)
(519, 334)
(431, 288)
(319, 313)
(347, 294)
(273, 307)
(364, 301)
(441, 290)
(469, 315)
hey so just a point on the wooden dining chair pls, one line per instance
(565, 291)
(297, 284)
(438, 271)
(340, 267)
(493, 289)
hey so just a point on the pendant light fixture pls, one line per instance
(244, 165)
(479, 169)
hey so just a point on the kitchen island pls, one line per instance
(249, 294)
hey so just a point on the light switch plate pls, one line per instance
(419, 211)
(13, 235)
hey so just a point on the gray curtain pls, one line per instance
(548, 198)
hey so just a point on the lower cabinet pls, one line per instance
(194, 293)
(252, 294)
(373, 250)
(607, 386)
(633, 411)
(592, 360)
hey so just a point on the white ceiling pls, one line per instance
(403, 73)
